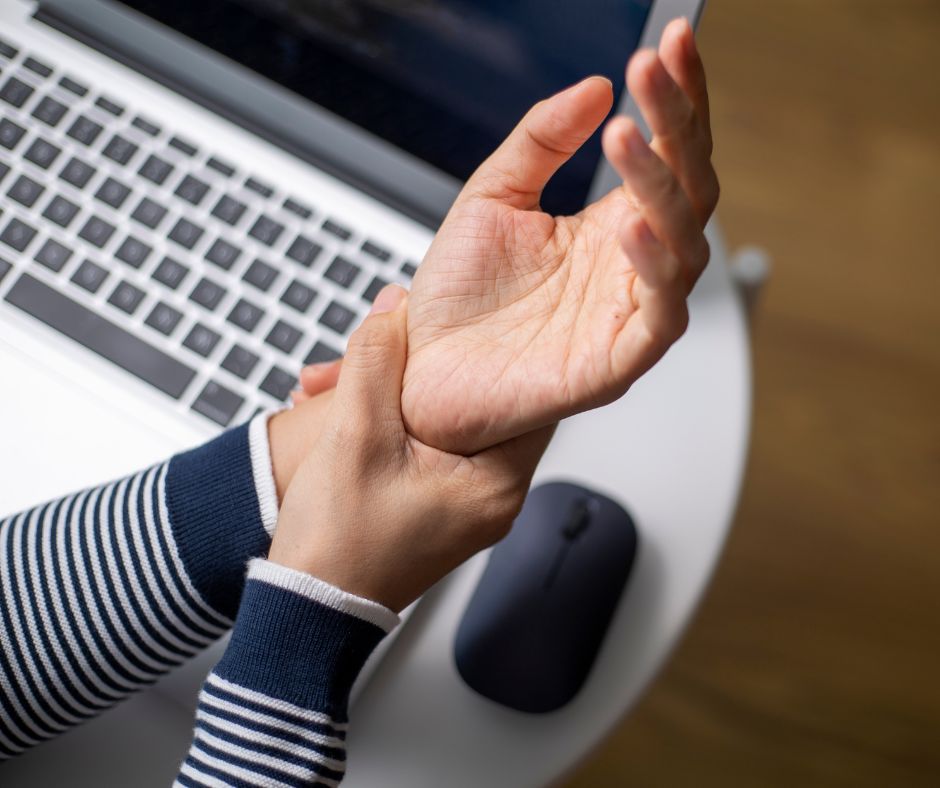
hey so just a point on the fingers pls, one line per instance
(661, 293)
(369, 387)
(662, 202)
(315, 379)
(549, 134)
(679, 55)
(669, 89)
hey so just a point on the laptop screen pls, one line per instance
(444, 80)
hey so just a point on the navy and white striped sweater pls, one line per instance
(103, 591)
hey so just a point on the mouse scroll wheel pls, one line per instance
(579, 518)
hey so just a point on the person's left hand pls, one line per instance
(374, 511)
(518, 318)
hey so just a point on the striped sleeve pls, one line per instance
(273, 712)
(103, 591)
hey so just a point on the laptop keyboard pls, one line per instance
(171, 261)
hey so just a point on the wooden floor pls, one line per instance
(815, 659)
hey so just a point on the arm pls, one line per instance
(393, 516)
(105, 590)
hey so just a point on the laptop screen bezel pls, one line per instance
(368, 162)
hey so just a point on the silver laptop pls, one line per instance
(199, 196)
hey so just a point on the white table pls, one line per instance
(672, 451)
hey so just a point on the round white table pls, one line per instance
(672, 452)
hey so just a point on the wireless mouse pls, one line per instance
(536, 620)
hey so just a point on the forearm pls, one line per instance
(103, 591)
(274, 710)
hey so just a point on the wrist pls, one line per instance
(291, 435)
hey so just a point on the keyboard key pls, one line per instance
(133, 251)
(112, 192)
(84, 130)
(101, 336)
(164, 318)
(218, 403)
(258, 187)
(183, 147)
(8, 50)
(109, 106)
(321, 353)
(42, 153)
(72, 86)
(374, 288)
(207, 294)
(37, 67)
(185, 233)
(299, 209)
(201, 340)
(10, 133)
(342, 272)
(245, 315)
(16, 92)
(304, 251)
(278, 384)
(148, 213)
(192, 189)
(120, 149)
(337, 317)
(266, 230)
(25, 191)
(5, 268)
(77, 172)
(60, 211)
(50, 111)
(221, 167)
(53, 255)
(284, 337)
(223, 254)
(229, 210)
(155, 169)
(148, 128)
(17, 234)
(97, 231)
(409, 269)
(337, 229)
(376, 251)
(126, 297)
(298, 296)
(261, 275)
(4, 171)
(170, 273)
(240, 361)
(90, 276)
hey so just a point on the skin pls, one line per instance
(515, 320)
(393, 515)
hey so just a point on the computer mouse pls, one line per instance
(538, 615)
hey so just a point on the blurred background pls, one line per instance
(813, 660)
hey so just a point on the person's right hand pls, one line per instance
(518, 318)
(373, 510)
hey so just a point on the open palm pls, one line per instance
(517, 318)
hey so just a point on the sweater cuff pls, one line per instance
(300, 640)
(263, 470)
(222, 506)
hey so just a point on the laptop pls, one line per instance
(197, 198)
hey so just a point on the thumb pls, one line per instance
(371, 376)
(549, 135)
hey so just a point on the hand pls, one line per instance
(517, 318)
(373, 510)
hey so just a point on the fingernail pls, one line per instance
(690, 43)
(388, 299)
